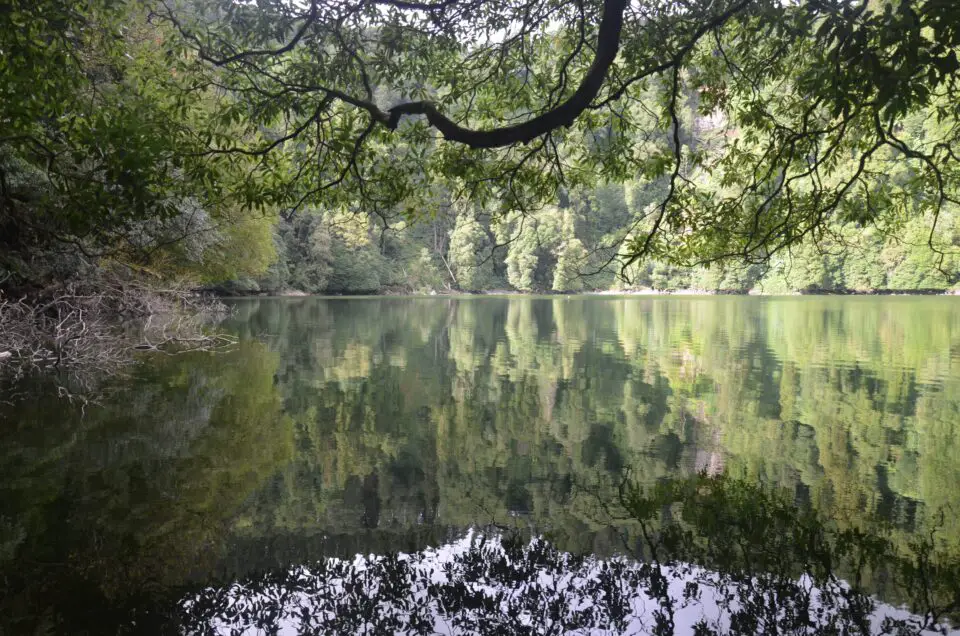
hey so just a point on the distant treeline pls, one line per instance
(562, 248)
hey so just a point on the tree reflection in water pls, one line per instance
(707, 555)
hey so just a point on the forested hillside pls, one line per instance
(560, 249)
(574, 242)
(102, 155)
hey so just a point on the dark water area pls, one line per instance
(377, 426)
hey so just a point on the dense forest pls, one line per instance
(224, 146)
(557, 249)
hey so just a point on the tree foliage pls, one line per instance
(471, 254)
(829, 114)
(561, 248)
(103, 152)
(168, 134)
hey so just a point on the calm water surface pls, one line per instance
(345, 426)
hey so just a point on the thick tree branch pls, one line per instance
(608, 45)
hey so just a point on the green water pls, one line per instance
(340, 426)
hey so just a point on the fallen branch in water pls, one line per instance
(180, 334)
(95, 328)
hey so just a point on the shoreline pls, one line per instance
(626, 292)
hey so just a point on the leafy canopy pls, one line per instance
(825, 112)
(104, 149)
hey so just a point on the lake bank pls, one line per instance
(610, 292)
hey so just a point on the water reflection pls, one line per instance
(713, 556)
(849, 402)
(107, 511)
(383, 425)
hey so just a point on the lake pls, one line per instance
(375, 426)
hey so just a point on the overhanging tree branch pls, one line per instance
(564, 114)
(608, 44)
